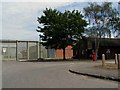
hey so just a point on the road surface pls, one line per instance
(48, 75)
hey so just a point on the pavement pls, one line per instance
(89, 69)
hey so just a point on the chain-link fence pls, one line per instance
(20, 50)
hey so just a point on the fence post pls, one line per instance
(103, 60)
(38, 49)
(28, 50)
(16, 50)
(116, 59)
(8, 52)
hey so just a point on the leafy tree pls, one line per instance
(99, 16)
(60, 29)
(115, 23)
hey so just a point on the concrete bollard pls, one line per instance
(116, 59)
(103, 60)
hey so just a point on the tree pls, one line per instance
(99, 16)
(115, 23)
(60, 29)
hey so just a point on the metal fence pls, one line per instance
(20, 50)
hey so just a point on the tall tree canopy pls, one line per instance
(61, 29)
(99, 16)
(115, 23)
(103, 21)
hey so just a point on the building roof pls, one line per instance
(107, 41)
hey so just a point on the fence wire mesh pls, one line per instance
(8, 51)
(20, 50)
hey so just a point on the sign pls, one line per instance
(4, 50)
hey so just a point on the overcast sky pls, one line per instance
(19, 19)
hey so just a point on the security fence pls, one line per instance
(20, 50)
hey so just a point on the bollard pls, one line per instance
(116, 59)
(103, 60)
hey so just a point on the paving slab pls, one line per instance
(89, 69)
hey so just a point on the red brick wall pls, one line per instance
(68, 52)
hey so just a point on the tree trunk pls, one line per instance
(97, 47)
(64, 54)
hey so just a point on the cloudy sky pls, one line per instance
(19, 17)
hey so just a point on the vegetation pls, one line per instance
(61, 29)
(100, 18)
(115, 23)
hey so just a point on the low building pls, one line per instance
(113, 44)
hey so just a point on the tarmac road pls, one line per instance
(48, 75)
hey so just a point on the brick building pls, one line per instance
(68, 52)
